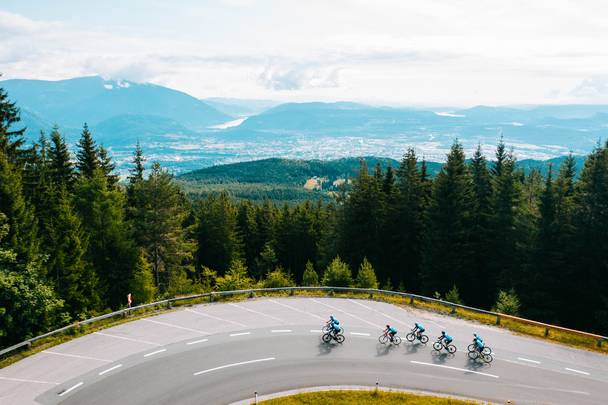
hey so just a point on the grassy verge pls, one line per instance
(363, 397)
(570, 339)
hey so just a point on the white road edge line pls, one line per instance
(197, 341)
(126, 338)
(239, 334)
(110, 369)
(577, 371)
(257, 312)
(359, 334)
(71, 389)
(346, 313)
(217, 318)
(170, 325)
(281, 331)
(156, 352)
(76, 356)
(28, 381)
(453, 368)
(528, 360)
(234, 365)
(297, 309)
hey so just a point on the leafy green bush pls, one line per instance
(236, 278)
(453, 296)
(278, 278)
(507, 303)
(310, 278)
(366, 277)
(337, 274)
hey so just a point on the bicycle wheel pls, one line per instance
(397, 340)
(327, 338)
(473, 355)
(471, 347)
(325, 329)
(424, 339)
(340, 338)
(410, 337)
(487, 350)
(451, 349)
(383, 339)
(437, 346)
(487, 358)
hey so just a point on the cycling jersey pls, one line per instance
(447, 338)
(420, 327)
(392, 330)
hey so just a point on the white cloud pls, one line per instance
(297, 78)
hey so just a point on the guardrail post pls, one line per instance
(211, 297)
(599, 343)
(411, 300)
(453, 312)
(168, 304)
(497, 319)
(546, 332)
(255, 396)
(252, 295)
(292, 292)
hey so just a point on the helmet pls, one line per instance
(443, 332)
(388, 326)
(331, 317)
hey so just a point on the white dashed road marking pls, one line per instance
(28, 381)
(316, 331)
(528, 360)
(76, 356)
(110, 369)
(297, 310)
(577, 371)
(126, 338)
(454, 368)
(346, 313)
(156, 352)
(170, 325)
(234, 365)
(239, 334)
(359, 334)
(280, 331)
(257, 312)
(216, 318)
(71, 389)
(197, 341)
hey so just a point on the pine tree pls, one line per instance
(11, 138)
(111, 250)
(448, 257)
(337, 274)
(62, 170)
(137, 172)
(366, 277)
(87, 158)
(142, 283)
(310, 278)
(22, 236)
(107, 167)
(74, 278)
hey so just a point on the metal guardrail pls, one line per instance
(215, 294)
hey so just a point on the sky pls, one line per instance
(394, 52)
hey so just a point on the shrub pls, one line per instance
(142, 284)
(453, 296)
(236, 278)
(310, 278)
(337, 274)
(507, 303)
(278, 278)
(366, 277)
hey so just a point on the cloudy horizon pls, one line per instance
(457, 53)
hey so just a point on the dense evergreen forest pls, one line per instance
(74, 240)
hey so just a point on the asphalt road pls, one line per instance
(223, 353)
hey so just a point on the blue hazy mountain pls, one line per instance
(238, 107)
(70, 103)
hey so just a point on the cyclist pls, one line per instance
(391, 331)
(445, 338)
(334, 325)
(418, 329)
(479, 343)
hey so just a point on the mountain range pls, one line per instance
(186, 133)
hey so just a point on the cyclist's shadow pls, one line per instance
(383, 350)
(441, 357)
(413, 348)
(326, 348)
(475, 364)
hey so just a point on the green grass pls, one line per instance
(363, 397)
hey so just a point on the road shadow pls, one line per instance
(413, 348)
(476, 364)
(441, 357)
(383, 350)
(327, 348)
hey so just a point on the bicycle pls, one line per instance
(337, 336)
(413, 336)
(475, 354)
(473, 347)
(440, 344)
(384, 339)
